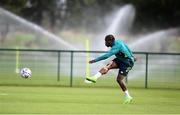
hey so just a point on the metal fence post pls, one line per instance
(58, 68)
(71, 76)
(146, 76)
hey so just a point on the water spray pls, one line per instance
(38, 29)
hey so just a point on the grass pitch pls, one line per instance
(73, 100)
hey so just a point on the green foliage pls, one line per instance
(13, 5)
(150, 13)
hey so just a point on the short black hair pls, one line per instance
(109, 37)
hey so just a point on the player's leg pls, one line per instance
(102, 71)
(120, 80)
(122, 84)
(124, 69)
(110, 65)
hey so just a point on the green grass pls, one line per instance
(105, 81)
(73, 100)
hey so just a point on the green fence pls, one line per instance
(69, 68)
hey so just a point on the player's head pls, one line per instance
(109, 40)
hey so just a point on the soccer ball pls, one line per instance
(25, 72)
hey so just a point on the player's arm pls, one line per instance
(111, 52)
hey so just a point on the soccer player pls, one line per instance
(124, 61)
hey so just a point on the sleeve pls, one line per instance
(111, 52)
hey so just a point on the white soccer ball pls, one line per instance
(25, 72)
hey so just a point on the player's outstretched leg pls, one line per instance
(102, 71)
(94, 78)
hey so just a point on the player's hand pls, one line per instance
(92, 61)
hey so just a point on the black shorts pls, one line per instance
(124, 66)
